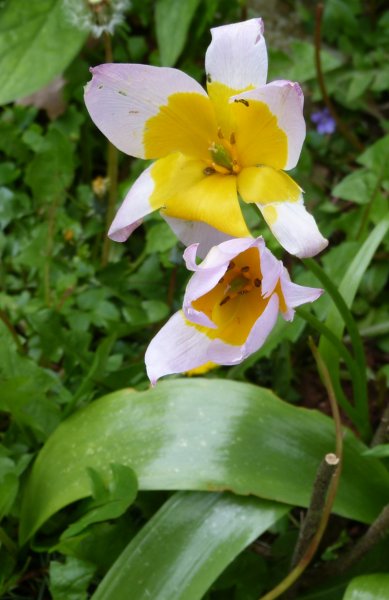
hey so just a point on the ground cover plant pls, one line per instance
(255, 466)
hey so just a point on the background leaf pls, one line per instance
(37, 42)
(172, 21)
(108, 503)
(368, 587)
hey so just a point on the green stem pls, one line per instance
(112, 171)
(51, 220)
(361, 399)
(12, 331)
(348, 408)
(343, 128)
(366, 212)
(331, 337)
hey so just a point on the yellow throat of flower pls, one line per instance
(224, 156)
(236, 302)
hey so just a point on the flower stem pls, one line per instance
(360, 383)
(112, 170)
(314, 514)
(298, 570)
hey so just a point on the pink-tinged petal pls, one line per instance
(227, 354)
(121, 98)
(295, 294)
(177, 347)
(284, 100)
(219, 256)
(237, 55)
(190, 232)
(272, 270)
(294, 228)
(135, 206)
(209, 272)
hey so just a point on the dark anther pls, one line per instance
(209, 78)
(232, 138)
(243, 292)
(245, 269)
(224, 301)
(257, 282)
(221, 280)
(231, 266)
(220, 134)
(242, 100)
(208, 171)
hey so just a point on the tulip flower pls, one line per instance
(231, 304)
(210, 149)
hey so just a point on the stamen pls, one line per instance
(224, 301)
(243, 292)
(231, 265)
(221, 280)
(232, 138)
(245, 269)
(257, 282)
(220, 134)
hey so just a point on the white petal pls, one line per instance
(120, 98)
(285, 100)
(237, 55)
(177, 348)
(294, 228)
(295, 294)
(191, 232)
(135, 206)
(271, 269)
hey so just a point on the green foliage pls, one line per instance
(70, 580)
(177, 541)
(173, 19)
(173, 437)
(165, 491)
(37, 43)
(368, 587)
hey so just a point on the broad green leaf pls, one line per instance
(172, 21)
(201, 434)
(186, 545)
(37, 42)
(368, 587)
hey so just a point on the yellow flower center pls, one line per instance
(236, 302)
(224, 156)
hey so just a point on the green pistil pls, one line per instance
(221, 156)
(237, 284)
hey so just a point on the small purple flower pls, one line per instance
(231, 304)
(324, 122)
